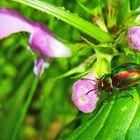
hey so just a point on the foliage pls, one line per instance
(32, 108)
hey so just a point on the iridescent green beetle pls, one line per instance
(122, 77)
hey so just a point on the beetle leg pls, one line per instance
(131, 96)
(90, 79)
(107, 99)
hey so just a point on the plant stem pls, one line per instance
(24, 110)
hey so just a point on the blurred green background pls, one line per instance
(32, 108)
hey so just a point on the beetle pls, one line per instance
(122, 77)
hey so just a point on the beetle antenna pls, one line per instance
(90, 79)
(91, 90)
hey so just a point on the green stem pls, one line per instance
(72, 19)
(24, 110)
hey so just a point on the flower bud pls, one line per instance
(133, 38)
(85, 93)
(39, 66)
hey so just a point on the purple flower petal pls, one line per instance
(41, 40)
(85, 102)
(12, 22)
(39, 66)
(133, 38)
(43, 43)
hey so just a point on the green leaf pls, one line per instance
(123, 11)
(116, 10)
(134, 4)
(119, 119)
(81, 68)
(72, 19)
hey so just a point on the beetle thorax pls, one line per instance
(105, 84)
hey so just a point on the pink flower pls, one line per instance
(41, 40)
(85, 93)
(133, 38)
(39, 66)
